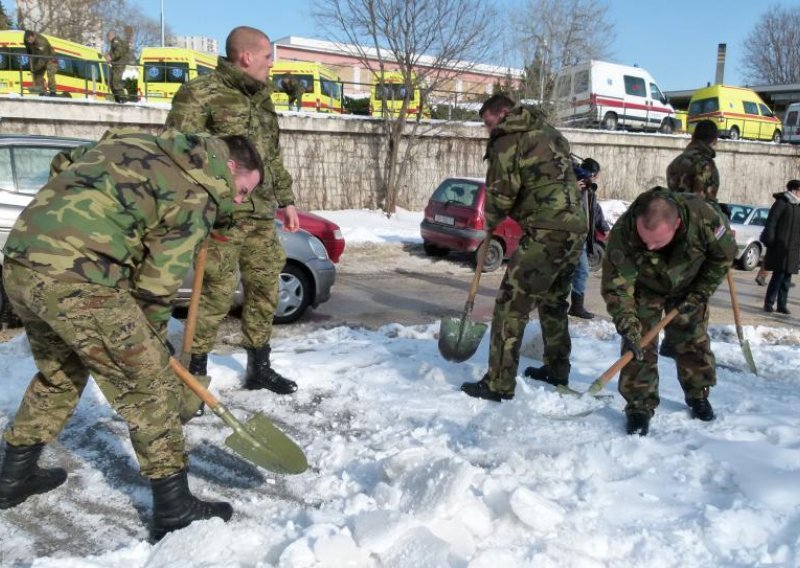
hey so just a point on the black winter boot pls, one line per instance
(638, 422)
(20, 477)
(261, 375)
(198, 364)
(577, 308)
(174, 506)
(701, 409)
(481, 390)
(545, 374)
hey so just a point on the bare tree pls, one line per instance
(552, 34)
(771, 50)
(427, 41)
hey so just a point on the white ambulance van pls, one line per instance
(791, 124)
(611, 96)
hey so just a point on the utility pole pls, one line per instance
(162, 24)
(542, 71)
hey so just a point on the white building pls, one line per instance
(197, 43)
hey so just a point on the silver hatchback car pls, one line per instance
(306, 279)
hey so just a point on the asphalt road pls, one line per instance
(417, 290)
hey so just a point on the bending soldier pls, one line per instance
(94, 291)
(530, 178)
(694, 170)
(42, 60)
(117, 57)
(668, 250)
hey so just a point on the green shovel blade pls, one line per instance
(459, 338)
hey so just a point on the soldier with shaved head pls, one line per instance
(235, 99)
(668, 250)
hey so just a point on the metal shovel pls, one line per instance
(737, 318)
(258, 440)
(458, 337)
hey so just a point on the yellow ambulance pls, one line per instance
(162, 70)
(321, 87)
(82, 71)
(738, 113)
(387, 99)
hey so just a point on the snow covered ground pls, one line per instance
(406, 471)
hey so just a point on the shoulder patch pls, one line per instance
(720, 231)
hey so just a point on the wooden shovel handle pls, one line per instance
(193, 383)
(481, 259)
(626, 358)
(737, 316)
(194, 302)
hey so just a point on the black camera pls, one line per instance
(586, 176)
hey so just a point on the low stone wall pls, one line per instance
(337, 161)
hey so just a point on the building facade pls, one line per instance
(197, 43)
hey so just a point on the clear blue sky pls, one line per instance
(676, 40)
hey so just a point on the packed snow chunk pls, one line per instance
(740, 534)
(247, 543)
(435, 488)
(377, 530)
(495, 558)
(320, 545)
(418, 548)
(542, 515)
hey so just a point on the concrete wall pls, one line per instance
(337, 162)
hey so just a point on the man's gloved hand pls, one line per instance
(690, 304)
(630, 342)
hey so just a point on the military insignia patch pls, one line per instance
(719, 232)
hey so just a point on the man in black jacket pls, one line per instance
(782, 238)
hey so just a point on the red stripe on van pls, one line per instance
(707, 115)
(619, 103)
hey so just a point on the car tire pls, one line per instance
(610, 121)
(750, 257)
(494, 256)
(432, 250)
(734, 133)
(776, 137)
(294, 294)
(666, 126)
(596, 258)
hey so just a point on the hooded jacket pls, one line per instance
(782, 234)
(530, 175)
(694, 171)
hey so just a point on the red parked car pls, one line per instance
(326, 231)
(454, 221)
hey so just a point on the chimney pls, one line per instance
(720, 63)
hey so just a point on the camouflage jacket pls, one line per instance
(41, 53)
(228, 101)
(127, 214)
(530, 176)
(692, 266)
(694, 171)
(118, 51)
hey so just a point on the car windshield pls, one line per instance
(458, 191)
(737, 213)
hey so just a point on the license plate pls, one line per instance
(444, 219)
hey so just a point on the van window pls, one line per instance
(703, 106)
(330, 89)
(564, 84)
(203, 70)
(634, 86)
(581, 81)
(750, 108)
(765, 110)
(6, 172)
(791, 118)
(166, 72)
(655, 92)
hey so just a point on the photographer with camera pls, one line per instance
(587, 173)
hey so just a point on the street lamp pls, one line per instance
(162, 24)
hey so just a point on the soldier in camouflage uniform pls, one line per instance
(91, 268)
(42, 59)
(294, 91)
(117, 57)
(235, 99)
(668, 250)
(530, 178)
(694, 170)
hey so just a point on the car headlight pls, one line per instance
(337, 234)
(317, 248)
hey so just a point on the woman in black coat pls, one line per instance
(782, 238)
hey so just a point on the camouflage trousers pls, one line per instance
(688, 333)
(38, 78)
(117, 85)
(539, 273)
(77, 329)
(252, 248)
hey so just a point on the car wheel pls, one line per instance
(596, 258)
(750, 257)
(666, 126)
(494, 256)
(734, 133)
(776, 137)
(610, 121)
(294, 294)
(432, 250)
